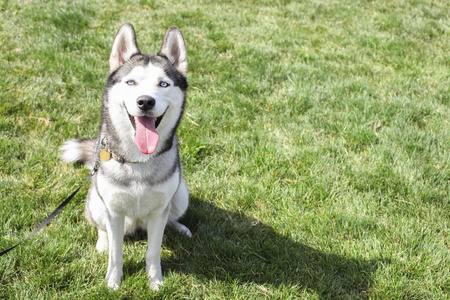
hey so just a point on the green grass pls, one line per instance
(315, 146)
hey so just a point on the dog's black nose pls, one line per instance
(145, 102)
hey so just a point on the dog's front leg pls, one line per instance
(115, 229)
(155, 231)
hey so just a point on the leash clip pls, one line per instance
(96, 166)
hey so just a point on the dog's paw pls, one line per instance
(155, 277)
(181, 228)
(113, 285)
(185, 231)
(113, 282)
(155, 284)
(102, 245)
(113, 277)
(102, 242)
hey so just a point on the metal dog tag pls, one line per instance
(105, 155)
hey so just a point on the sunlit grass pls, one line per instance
(315, 146)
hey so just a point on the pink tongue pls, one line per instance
(146, 137)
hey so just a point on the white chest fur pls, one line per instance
(137, 199)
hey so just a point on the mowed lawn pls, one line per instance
(315, 143)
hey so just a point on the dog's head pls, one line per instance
(146, 93)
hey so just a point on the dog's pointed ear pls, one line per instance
(174, 49)
(124, 47)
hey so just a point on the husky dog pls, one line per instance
(138, 183)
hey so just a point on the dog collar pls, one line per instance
(106, 154)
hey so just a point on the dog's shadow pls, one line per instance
(229, 246)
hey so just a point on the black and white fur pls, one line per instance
(147, 191)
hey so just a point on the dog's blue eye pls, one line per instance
(163, 84)
(130, 82)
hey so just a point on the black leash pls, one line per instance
(55, 212)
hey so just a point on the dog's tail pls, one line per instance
(81, 150)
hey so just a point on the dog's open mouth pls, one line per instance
(146, 137)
